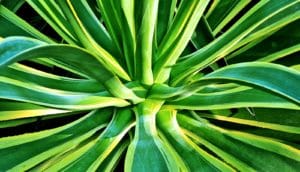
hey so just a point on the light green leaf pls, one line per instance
(165, 15)
(261, 75)
(93, 26)
(17, 110)
(104, 76)
(90, 158)
(19, 153)
(223, 12)
(177, 37)
(89, 43)
(13, 5)
(246, 151)
(254, 123)
(31, 75)
(221, 46)
(284, 42)
(232, 98)
(121, 28)
(146, 146)
(194, 157)
(146, 37)
(51, 13)
(12, 25)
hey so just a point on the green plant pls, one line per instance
(152, 85)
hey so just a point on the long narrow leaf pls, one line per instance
(233, 98)
(55, 141)
(194, 157)
(262, 75)
(219, 48)
(111, 82)
(287, 161)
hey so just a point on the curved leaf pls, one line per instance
(13, 25)
(280, 156)
(73, 54)
(17, 110)
(220, 47)
(255, 123)
(27, 74)
(90, 158)
(280, 44)
(31, 93)
(261, 75)
(194, 157)
(18, 149)
(232, 98)
(146, 146)
(177, 37)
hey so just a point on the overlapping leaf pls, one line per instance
(146, 86)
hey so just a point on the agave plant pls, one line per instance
(169, 85)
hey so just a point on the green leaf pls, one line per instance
(279, 45)
(223, 12)
(121, 28)
(246, 147)
(254, 123)
(194, 157)
(17, 110)
(271, 25)
(277, 117)
(164, 62)
(89, 43)
(12, 5)
(146, 146)
(31, 93)
(18, 149)
(95, 29)
(51, 13)
(266, 144)
(165, 15)
(232, 98)
(91, 158)
(104, 76)
(27, 74)
(221, 46)
(177, 37)
(13, 45)
(12, 25)
(146, 37)
(111, 162)
(261, 75)
(227, 157)
(203, 34)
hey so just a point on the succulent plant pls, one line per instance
(153, 85)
